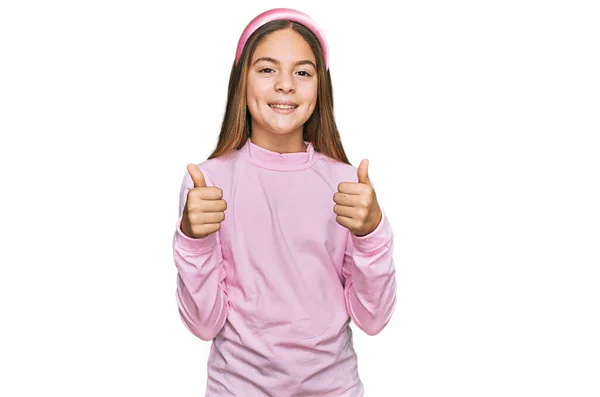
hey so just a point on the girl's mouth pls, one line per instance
(283, 109)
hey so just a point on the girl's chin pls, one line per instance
(284, 128)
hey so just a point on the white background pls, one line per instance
(480, 121)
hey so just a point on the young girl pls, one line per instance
(280, 241)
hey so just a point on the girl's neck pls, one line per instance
(280, 143)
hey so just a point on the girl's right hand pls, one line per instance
(204, 208)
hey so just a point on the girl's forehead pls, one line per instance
(284, 45)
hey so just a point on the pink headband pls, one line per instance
(278, 14)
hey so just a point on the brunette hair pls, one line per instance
(320, 129)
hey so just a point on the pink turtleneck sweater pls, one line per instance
(277, 286)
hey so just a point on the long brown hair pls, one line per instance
(320, 129)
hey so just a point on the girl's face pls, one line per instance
(282, 84)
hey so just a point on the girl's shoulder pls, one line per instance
(216, 170)
(338, 169)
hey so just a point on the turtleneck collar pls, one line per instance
(265, 158)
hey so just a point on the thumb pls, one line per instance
(197, 175)
(363, 172)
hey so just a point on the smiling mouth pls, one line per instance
(275, 106)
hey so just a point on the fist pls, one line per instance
(356, 205)
(204, 209)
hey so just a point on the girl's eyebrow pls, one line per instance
(276, 62)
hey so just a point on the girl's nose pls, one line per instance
(284, 83)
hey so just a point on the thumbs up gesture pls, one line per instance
(356, 204)
(204, 208)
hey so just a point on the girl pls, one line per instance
(280, 241)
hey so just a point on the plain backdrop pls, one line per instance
(480, 121)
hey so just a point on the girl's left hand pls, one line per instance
(356, 204)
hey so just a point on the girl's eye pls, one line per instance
(302, 73)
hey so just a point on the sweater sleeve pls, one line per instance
(201, 291)
(370, 281)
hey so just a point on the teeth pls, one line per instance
(283, 106)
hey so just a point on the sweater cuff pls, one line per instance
(382, 235)
(194, 244)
